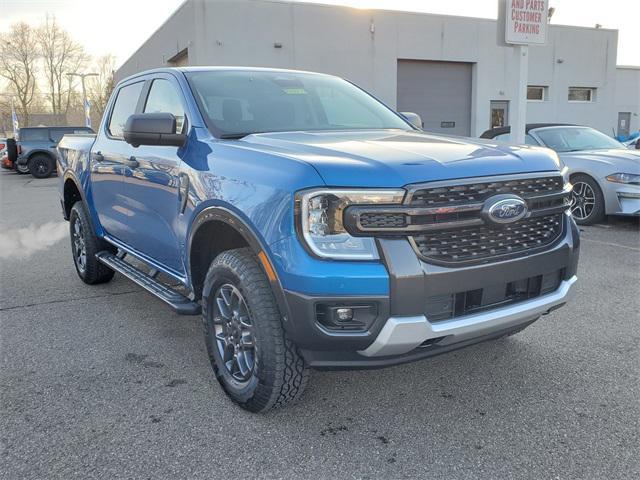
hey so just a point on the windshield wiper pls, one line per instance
(235, 136)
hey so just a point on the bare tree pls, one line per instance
(60, 55)
(18, 65)
(99, 88)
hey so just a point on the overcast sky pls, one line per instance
(121, 26)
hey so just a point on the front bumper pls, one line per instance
(401, 331)
(403, 334)
(622, 199)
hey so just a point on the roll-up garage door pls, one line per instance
(440, 92)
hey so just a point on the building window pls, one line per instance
(582, 94)
(536, 93)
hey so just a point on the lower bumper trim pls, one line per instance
(403, 334)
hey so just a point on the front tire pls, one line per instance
(41, 166)
(84, 246)
(587, 201)
(256, 364)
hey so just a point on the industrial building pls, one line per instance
(448, 69)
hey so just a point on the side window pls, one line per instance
(124, 107)
(164, 98)
(506, 137)
(529, 140)
(34, 135)
(57, 134)
(503, 137)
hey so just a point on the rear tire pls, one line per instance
(41, 166)
(84, 246)
(587, 201)
(256, 364)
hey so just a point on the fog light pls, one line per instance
(344, 314)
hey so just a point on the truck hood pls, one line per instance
(393, 158)
(620, 160)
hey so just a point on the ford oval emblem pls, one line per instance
(504, 209)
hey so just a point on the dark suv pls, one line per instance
(37, 148)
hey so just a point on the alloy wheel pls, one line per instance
(583, 200)
(233, 330)
(79, 246)
(41, 166)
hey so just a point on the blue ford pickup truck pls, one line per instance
(310, 225)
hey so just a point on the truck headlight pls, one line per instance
(628, 178)
(320, 213)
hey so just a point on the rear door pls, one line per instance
(152, 180)
(108, 158)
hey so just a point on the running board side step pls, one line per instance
(175, 300)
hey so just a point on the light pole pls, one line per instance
(87, 118)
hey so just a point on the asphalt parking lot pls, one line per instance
(107, 382)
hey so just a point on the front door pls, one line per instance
(108, 156)
(624, 118)
(152, 182)
(499, 113)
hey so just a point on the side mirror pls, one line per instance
(413, 118)
(152, 129)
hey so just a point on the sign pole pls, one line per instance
(519, 117)
(521, 23)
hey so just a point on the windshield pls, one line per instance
(238, 103)
(574, 139)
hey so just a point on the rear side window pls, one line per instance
(34, 135)
(163, 98)
(125, 106)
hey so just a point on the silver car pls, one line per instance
(604, 173)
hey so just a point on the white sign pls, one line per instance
(526, 22)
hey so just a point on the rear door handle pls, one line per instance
(97, 157)
(132, 162)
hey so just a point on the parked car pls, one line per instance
(37, 148)
(311, 225)
(604, 173)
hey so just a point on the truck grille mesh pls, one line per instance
(383, 220)
(485, 242)
(478, 192)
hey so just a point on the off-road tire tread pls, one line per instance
(95, 272)
(284, 376)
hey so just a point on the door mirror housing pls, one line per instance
(413, 118)
(152, 129)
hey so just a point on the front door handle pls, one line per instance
(132, 162)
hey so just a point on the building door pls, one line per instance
(499, 113)
(440, 92)
(624, 118)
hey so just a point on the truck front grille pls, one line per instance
(488, 242)
(447, 222)
(449, 195)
